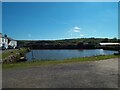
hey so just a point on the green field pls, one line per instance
(54, 62)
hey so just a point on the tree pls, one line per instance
(105, 40)
(80, 44)
(115, 40)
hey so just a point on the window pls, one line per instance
(2, 39)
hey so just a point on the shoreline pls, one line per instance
(71, 49)
(55, 62)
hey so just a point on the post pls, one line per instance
(32, 55)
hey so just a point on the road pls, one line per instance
(7, 50)
(91, 74)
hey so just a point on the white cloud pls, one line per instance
(75, 32)
(76, 29)
(81, 35)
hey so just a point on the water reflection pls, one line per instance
(102, 52)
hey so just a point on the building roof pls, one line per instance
(10, 39)
(1, 36)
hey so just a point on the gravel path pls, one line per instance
(94, 74)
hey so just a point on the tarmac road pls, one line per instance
(93, 74)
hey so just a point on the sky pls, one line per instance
(60, 0)
(59, 20)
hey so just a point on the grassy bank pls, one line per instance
(13, 55)
(12, 52)
(54, 62)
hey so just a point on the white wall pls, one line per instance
(4, 41)
(13, 44)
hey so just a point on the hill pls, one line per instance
(79, 43)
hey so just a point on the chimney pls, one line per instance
(5, 35)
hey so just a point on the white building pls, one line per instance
(12, 43)
(3, 42)
(104, 44)
(6, 42)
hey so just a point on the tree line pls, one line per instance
(80, 43)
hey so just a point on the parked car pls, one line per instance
(3, 48)
(10, 47)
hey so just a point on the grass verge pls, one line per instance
(8, 53)
(12, 52)
(54, 62)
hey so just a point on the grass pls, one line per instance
(55, 62)
(8, 53)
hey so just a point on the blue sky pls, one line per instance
(59, 20)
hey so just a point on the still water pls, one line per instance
(63, 54)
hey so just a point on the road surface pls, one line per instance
(7, 50)
(92, 74)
